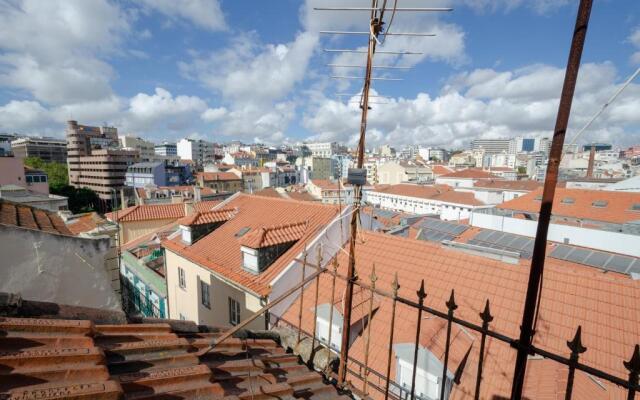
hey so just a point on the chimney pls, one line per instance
(592, 157)
(189, 208)
(197, 197)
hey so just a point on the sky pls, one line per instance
(257, 71)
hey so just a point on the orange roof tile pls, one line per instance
(470, 173)
(218, 176)
(273, 235)
(220, 249)
(147, 212)
(207, 217)
(439, 170)
(433, 192)
(85, 223)
(607, 306)
(23, 216)
(525, 185)
(618, 207)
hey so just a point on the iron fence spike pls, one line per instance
(485, 315)
(395, 285)
(575, 345)
(421, 293)
(451, 304)
(633, 365)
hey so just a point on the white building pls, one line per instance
(449, 204)
(196, 150)
(464, 178)
(323, 149)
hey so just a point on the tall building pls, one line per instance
(324, 168)
(196, 150)
(323, 149)
(145, 149)
(48, 149)
(95, 160)
(491, 146)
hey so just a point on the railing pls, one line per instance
(133, 301)
(363, 371)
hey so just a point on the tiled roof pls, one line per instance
(327, 184)
(85, 223)
(220, 249)
(273, 235)
(64, 359)
(606, 306)
(433, 192)
(618, 208)
(207, 217)
(525, 185)
(147, 212)
(218, 176)
(439, 170)
(470, 173)
(23, 216)
(301, 195)
(268, 192)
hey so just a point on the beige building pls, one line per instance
(146, 150)
(394, 173)
(95, 160)
(225, 264)
(220, 182)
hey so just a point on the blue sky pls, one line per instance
(255, 70)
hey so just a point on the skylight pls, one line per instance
(242, 231)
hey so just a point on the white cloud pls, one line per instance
(634, 39)
(52, 49)
(23, 115)
(538, 6)
(162, 110)
(214, 114)
(487, 103)
(206, 14)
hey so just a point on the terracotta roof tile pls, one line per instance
(207, 217)
(28, 217)
(470, 173)
(220, 249)
(218, 176)
(273, 235)
(524, 185)
(147, 212)
(85, 223)
(442, 193)
(607, 307)
(618, 208)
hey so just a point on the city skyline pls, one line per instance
(221, 71)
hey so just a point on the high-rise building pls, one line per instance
(96, 161)
(48, 149)
(166, 149)
(145, 149)
(196, 150)
(324, 168)
(491, 146)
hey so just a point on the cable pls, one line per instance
(615, 95)
(393, 14)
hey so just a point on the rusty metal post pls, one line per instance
(315, 302)
(374, 278)
(333, 297)
(421, 296)
(576, 348)
(633, 365)
(451, 307)
(348, 298)
(486, 317)
(537, 262)
(395, 287)
(304, 267)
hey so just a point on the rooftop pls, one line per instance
(442, 193)
(218, 176)
(597, 205)
(524, 185)
(27, 217)
(470, 173)
(148, 212)
(220, 249)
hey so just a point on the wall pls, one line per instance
(455, 182)
(188, 302)
(47, 267)
(595, 239)
(12, 171)
(135, 229)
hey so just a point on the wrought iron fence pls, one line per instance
(362, 370)
(134, 301)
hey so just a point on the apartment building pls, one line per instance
(220, 182)
(492, 146)
(331, 191)
(166, 149)
(324, 168)
(393, 173)
(47, 149)
(95, 160)
(146, 150)
(323, 149)
(196, 150)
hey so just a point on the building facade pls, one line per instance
(47, 149)
(146, 150)
(196, 150)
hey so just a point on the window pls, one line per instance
(234, 312)
(181, 279)
(635, 207)
(204, 292)
(568, 200)
(600, 203)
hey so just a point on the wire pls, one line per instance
(393, 14)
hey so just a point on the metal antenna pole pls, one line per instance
(537, 262)
(376, 25)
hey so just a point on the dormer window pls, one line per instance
(261, 247)
(600, 203)
(635, 207)
(568, 200)
(200, 224)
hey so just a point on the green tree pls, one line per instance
(522, 170)
(80, 199)
(57, 172)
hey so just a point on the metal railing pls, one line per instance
(364, 371)
(134, 301)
